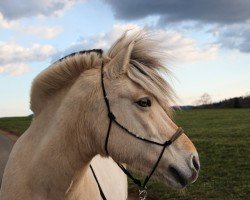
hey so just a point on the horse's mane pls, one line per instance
(145, 65)
(60, 74)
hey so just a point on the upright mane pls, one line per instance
(60, 74)
(146, 68)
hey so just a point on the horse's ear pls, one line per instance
(119, 64)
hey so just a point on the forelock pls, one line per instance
(147, 65)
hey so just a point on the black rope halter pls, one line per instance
(112, 119)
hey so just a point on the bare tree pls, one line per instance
(205, 99)
(247, 94)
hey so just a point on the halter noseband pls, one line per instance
(164, 145)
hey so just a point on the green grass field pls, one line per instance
(16, 125)
(222, 140)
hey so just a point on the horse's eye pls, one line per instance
(144, 102)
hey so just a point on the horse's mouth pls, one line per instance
(179, 178)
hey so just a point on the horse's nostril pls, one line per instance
(196, 163)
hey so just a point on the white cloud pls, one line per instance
(12, 9)
(8, 24)
(15, 59)
(179, 47)
(15, 69)
(105, 40)
(42, 31)
(12, 52)
(184, 49)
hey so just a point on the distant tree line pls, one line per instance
(236, 102)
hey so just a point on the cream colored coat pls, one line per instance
(51, 160)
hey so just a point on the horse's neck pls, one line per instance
(60, 157)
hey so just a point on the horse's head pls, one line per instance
(139, 98)
(71, 91)
(68, 98)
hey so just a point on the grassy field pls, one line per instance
(223, 142)
(16, 125)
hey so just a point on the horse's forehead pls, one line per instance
(126, 86)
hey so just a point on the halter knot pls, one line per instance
(137, 182)
(111, 116)
(167, 143)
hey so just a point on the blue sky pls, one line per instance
(209, 49)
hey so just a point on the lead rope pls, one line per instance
(98, 184)
(112, 118)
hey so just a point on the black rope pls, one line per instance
(107, 137)
(98, 184)
(136, 181)
(136, 136)
(167, 143)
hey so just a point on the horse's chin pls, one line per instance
(173, 183)
(172, 180)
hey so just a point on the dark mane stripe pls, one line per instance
(98, 51)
